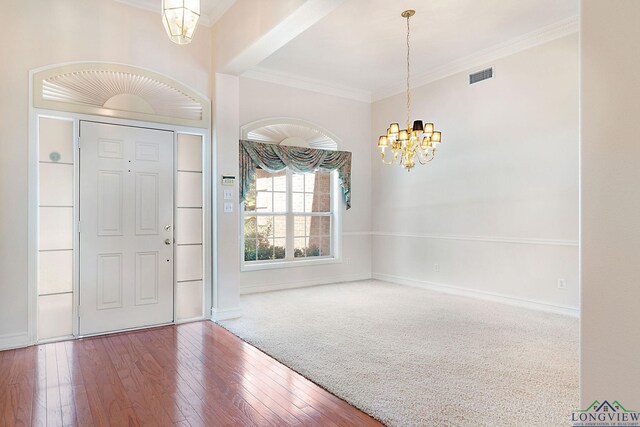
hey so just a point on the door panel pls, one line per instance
(126, 227)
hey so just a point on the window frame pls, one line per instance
(290, 261)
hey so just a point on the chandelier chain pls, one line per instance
(408, 78)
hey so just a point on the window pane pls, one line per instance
(265, 227)
(323, 182)
(298, 202)
(321, 202)
(308, 202)
(315, 227)
(250, 198)
(265, 249)
(279, 202)
(313, 246)
(309, 182)
(250, 202)
(299, 229)
(279, 249)
(297, 182)
(249, 250)
(280, 181)
(264, 181)
(325, 225)
(264, 202)
(250, 227)
(325, 246)
(280, 227)
(299, 247)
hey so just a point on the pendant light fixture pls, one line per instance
(418, 141)
(180, 18)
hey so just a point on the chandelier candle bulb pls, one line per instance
(428, 129)
(436, 137)
(406, 144)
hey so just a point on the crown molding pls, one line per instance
(304, 83)
(534, 38)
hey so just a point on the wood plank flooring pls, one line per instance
(197, 374)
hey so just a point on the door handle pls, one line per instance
(167, 241)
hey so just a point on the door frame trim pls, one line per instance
(208, 199)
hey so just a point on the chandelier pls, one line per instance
(180, 18)
(418, 141)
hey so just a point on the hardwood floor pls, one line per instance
(196, 374)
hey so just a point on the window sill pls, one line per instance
(288, 264)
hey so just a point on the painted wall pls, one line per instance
(610, 230)
(350, 121)
(49, 32)
(226, 128)
(497, 210)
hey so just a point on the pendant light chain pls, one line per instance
(408, 77)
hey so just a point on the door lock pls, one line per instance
(167, 228)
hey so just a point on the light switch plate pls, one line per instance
(228, 207)
(228, 194)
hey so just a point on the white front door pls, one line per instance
(126, 227)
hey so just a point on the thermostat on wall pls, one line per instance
(228, 179)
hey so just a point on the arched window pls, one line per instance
(290, 219)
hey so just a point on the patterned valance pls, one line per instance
(274, 158)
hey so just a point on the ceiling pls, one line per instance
(362, 44)
(211, 10)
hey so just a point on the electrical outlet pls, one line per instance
(347, 260)
(562, 284)
(228, 194)
(436, 268)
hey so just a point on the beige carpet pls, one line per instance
(411, 357)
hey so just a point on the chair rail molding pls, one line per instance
(494, 239)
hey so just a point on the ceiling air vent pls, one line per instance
(480, 76)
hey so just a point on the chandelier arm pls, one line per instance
(424, 158)
(382, 155)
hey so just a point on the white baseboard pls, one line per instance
(472, 293)
(11, 341)
(267, 287)
(225, 314)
